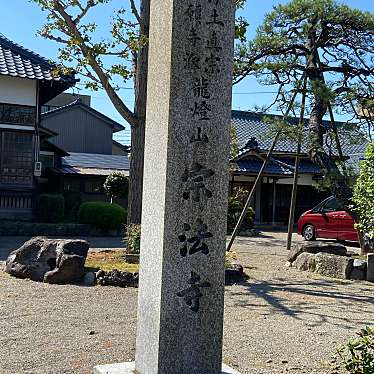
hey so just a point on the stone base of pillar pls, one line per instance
(129, 367)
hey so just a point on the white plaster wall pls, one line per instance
(19, 91)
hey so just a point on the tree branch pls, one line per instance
(126, 113)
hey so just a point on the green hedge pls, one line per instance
(103, 215)
(51, 208)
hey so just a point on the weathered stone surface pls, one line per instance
(234, 274)
(305, 261)
(360, 264)
(358, 274)
(370, 268)
(333, 266)
(117, 278)
(49, 260)
(316, 247)
(187, 141)
(89, 279)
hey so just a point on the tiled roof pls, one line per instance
(97, 161)
(93, 164)
(17, 61)
(73, 170)
(250, 126)
(276, 166)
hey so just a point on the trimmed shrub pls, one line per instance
(133, 239)
(51, 208)
(102, 215)
(235, 208)
(73, 201)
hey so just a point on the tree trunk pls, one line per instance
(138, 131)
(338, 182)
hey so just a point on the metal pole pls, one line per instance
(296, 171)
(259, 176)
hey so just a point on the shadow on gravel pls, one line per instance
(322, 299)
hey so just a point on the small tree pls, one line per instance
(116, 185)
(109, 58)
(321, 50)
(363, 194)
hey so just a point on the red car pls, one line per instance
(327, 220)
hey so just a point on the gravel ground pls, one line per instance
(279, 321)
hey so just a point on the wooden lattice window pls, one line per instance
(16, 158)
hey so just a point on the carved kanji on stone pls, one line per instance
(192, 294)
(201, 110)
(195, 180)
(212, 64)
(215, 19)
(193, 13)
(213, 42)
(193, 238)
(199, 137)
(192, 61)
(193, 37)
(201, 88)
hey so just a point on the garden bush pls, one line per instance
(236, 204)
(105, 216)
(364, 193)
(133, 239)
(73, 201)
(116, 185)
(51, 208)
(357, 355)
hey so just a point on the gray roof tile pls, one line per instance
(17, 61)
(96, 161)
(251, 125)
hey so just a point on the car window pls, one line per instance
(332, 206)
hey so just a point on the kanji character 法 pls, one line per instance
(196, 242)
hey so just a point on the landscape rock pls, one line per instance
(89, 279)
(333, 266)
(305, 261)
(358, 274)
(50, 260)
(117, 278)
(234, 274)
(370, 268)
(316, 247)
(359, 264)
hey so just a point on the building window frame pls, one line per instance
(8, 114)
(16, 164)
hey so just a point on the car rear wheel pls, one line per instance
(309, 232)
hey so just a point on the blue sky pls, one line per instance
(20, 19)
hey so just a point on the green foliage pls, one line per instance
(294, 36)
(234, 144)
(363, 194)
(357, 355)
(50, 208)
(116, 185)
(102, 215)
(73, 201)
(133, 239)
(235, 207)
